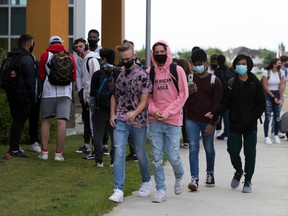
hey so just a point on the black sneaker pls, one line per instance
(236, 179)
(89, 157)
(221, 137)
(83, 150)
(210, 182)
(105, 151)
(247, 188)
(131, 157)
(18, 154)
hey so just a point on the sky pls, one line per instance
(222, 24)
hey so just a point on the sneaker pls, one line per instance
(247, 188)
(210, 180)
(159, 197)
(145, 189)
(117, 196)
(268, 141)
(193, 185)
(131, 157)
(100, 164)
(178, 186)
(17, 154)
(236, 179)
(20, 149)
(105, 150)
(59, 157)
(184, 145)
(217, 133)
(281, 136)
(277, 140)
(43, 155)
(221, 137)
(36, 147)
(89, 157)
(112, 165)
(83, 150)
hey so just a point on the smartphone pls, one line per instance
(190, 79)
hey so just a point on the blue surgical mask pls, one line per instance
(199, 69)
(241, 69)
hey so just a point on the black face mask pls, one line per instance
(92, 43)
(31, 49)
(278, 67)
(161, 59)
(214, 66)
(128, 64)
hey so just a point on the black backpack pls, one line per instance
(173, 71)
(104, 92)
(61, 69)
(8, 72)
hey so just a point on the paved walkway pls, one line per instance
(269, 197)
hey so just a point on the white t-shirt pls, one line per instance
(274, 80)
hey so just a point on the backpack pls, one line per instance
(105, 90)
(8, 72)
(284, 123)
(173, 71)
(212, 79)
(61, 69)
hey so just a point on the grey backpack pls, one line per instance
(284, 123)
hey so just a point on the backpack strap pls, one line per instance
(212, 80)
(173, 71)
(87, 65)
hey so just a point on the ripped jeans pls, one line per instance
(271, 106)
(165, 137)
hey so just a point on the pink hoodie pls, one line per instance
(165, 96)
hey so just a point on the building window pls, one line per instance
(3, 2)
(18, 2)
(4, 21)
(18, 21)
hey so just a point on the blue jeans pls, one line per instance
(138, 136)
(193, 134)
(165, 137)
(226, 123)
(271, 106)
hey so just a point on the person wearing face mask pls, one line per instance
(94, 47)
(273, 84)
(244, 97)
(23, 98)
(165, 105)
(56, 100)
(203, 97)
(128, 117)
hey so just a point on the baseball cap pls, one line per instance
(55, 39)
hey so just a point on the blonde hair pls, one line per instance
(125, 46)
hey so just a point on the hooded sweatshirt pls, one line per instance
(50, 90)
(165, 97)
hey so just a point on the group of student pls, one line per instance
(158, 96)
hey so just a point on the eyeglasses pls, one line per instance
(127, 59)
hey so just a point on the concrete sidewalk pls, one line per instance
(269, 197)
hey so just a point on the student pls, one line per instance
(245, 99)
(56, 100)
(165, 106)
(205, 93)
(128, 117)
(22, 100)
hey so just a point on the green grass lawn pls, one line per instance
(73, 187)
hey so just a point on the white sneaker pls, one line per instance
(277, 139)
(159, 197)
(179, 185)
(268, 141)
(117, 196)
(145, 189)
(43, 155)
(217, 133)
(100, 164)
(59, 157)
(36, 147)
